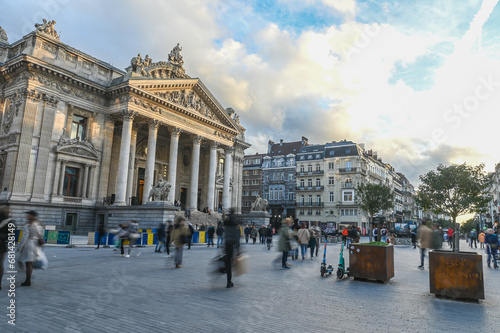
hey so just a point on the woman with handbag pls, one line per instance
(31, 244)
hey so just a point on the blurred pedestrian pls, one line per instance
(449, 232)
(473, 238)
(160, 235)
(247, 233)
(6, 223)
(303, 239)
(122, 236)
(31, 244)
(481, 237)
(284, 241)
(210, 233)
(220, 234)
(253, 234)
(383, 234)
(425, 240)
(295, 230)
(491, 241)
(269, 236)
(190, 235)
(262, 234)
(312, 242)
(168, 238)
(101, 232)
(232, 234)
(180, 234)
(317, 233)
(413, 236)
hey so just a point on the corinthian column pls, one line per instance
(131, 166)
(195, 170)
(122, 174)
(172, 161)
(212, 169)
(228, 167)
(150, 159)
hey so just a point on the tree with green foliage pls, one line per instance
(468, 225)
(454, 190)
(374, 198)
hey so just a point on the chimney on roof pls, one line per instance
(305, 141)
(362, 145)
(375, 155)
(269, 146)
(281, 142)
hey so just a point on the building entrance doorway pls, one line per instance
(140, 185)
(184, 192)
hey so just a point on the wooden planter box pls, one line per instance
(371, 262)
(456, 275)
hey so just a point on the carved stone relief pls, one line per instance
(8, 117)
(188, 99)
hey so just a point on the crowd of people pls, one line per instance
(294, 238)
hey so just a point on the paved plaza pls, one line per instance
(88, 290)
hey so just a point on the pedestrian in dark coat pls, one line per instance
(210, 233)
(231, 244)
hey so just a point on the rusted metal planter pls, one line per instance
(371, 262)
(456, 275)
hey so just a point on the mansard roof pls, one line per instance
(285, 148)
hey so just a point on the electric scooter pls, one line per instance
(325, 270)
(342, 270)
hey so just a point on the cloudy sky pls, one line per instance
(418, 81)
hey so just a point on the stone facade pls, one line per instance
(78, 135)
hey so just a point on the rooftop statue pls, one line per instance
(175, 55)
(47, 28)
(3, 35)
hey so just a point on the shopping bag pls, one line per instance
(241, 265)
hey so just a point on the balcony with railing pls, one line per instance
(310, 188)
(310, 173)
(288, 203)
(348, 185)
(310, 204)
(352, 170)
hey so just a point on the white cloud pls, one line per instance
(346, 7)
(330, 83)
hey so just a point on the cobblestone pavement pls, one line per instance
(88, 290)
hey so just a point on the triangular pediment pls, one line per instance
(190, 95)
(78, 148)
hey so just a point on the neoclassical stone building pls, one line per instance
(82, 141)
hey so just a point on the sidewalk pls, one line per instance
(88, 290)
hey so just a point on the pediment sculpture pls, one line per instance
(188, 99)
(171, 69)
